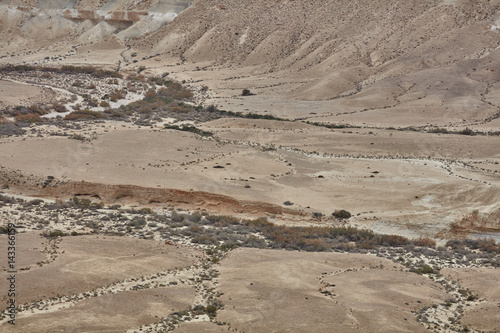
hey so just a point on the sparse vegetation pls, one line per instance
(66, 69)
(84, 114)
(332, 126)
(191, 129)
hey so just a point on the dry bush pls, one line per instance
(342, 214)
(145, 109)
(425, 242)
(150, 95)
(3, 120)
(136, 77)
(393, 240)
(84, 114)
(179, 107)
(117, 95)
(36, 109)
(176, 91)
(58, 107)
(28, 118)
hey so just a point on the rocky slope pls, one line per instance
(344, 45)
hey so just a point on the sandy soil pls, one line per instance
(395, 181)
(12, 94)
(88, 262)
(110, 313)
(282, 291)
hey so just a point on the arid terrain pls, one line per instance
(250, 166)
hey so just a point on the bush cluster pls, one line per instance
(66, 69)
(84, 114)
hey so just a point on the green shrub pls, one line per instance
(246, 92)
(211, 310)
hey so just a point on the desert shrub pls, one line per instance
(222, 113)
(146, 210)
(211, 310)
(393, 240)
(255, 242)
(78, 137)
(136, 77)
(36, 109)
(439, 130)
(204, 239)
(145, 109)
(424, 269)
(137, 223)
(328, 125)
(455, 244)
(488, 245)
(425, 242)
(86, 204)
(104, 104)
(117, 95)
(58, 107)
(66, 69)
(177, 107)
(34, 202)
(175, 91)
(84, 114)
(7, 199)
(193, 230)
(159, 81)
(150, 95)
(175, 217)
(467, 131)
(195, 217)
(341, 214)
(246, 92)
(54, 234)
(192, 129)
(221, 220)
(3, 121)
(28, 118)
(316, 245)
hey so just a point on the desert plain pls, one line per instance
(257, 166)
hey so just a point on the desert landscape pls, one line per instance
(256, 166)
